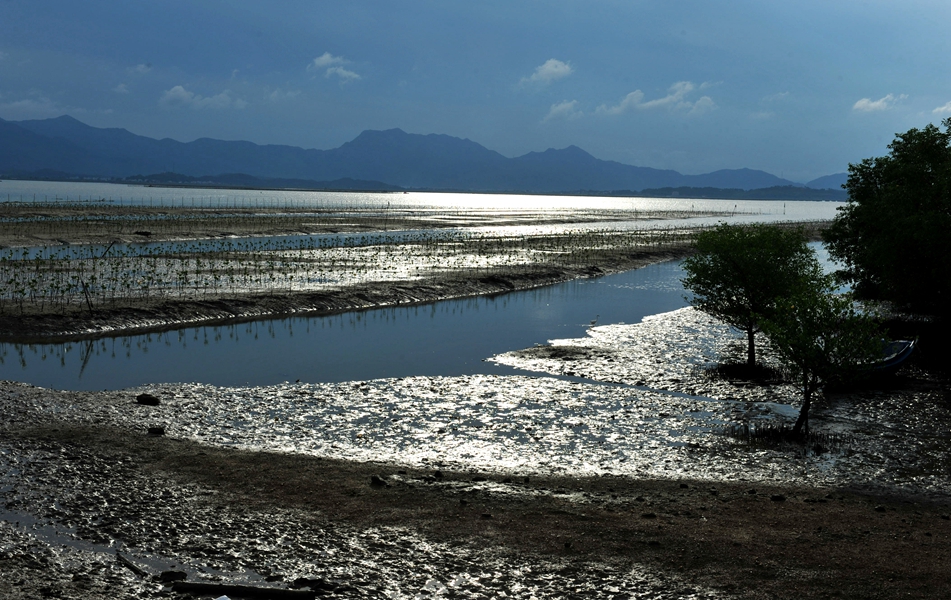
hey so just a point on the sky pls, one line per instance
(799, 89)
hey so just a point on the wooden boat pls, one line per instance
(894, 354)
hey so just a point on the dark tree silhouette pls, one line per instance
(738, 274)
(892, 234)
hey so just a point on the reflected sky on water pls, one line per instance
(48, 191)
(445, 338)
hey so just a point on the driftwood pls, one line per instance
(131, 566)
(241, 591)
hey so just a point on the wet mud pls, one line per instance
(170, 314)
(608, 477)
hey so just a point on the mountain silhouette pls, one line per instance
(391, 158)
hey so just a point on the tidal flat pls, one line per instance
(612, 479)
(602, 471)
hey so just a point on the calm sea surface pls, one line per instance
(758, 210)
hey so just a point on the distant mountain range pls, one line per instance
(374, 160)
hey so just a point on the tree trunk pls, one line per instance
(751, 348)
(803, 421)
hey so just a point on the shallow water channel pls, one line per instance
(451, 337)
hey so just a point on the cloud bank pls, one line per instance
(551, 71)
(943, 110)
(178, 96)
(676, 99)
(869, 105)
(342, 73)
(326, 60)
(563, 110)
(333, 69)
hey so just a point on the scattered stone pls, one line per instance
(684, 486)
(377, 481)
(777, 498)
(438, 475)
(147, 400)
(486, 515)
(156, 430)
(649, 515)
(880, 508)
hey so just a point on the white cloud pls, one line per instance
(344, 75)
(869, 105)
(121, 89)
(326, 60)
(675, 96)
(333, 69)
(704, 104)
(676, 99)
(552, 70)
(631, 101)
(141, 69)
(40, 107)
(563, 110)
(762, 115)
(943, 110)
(706, 85)
(776, 97)
(178, 96)
(279, 95)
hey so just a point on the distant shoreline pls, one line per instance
(775, 193)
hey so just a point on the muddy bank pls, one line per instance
(479, 486)
(368, 530)
(167, 315)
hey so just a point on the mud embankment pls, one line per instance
(168, 315)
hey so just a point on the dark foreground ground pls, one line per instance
(362, 530)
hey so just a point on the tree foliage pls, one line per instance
(822, 339)
(738, 274)
(892, 233)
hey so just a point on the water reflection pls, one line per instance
(444, 338)
(440, 202)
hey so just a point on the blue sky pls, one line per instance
(799, 89)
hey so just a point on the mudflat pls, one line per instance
(209, 266)
(228, 516)
(100, 500)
